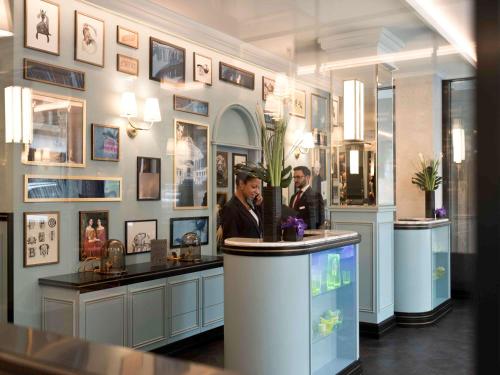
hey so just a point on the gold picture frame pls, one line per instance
(39, 19)
(127, 37)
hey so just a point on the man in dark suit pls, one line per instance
(307, 202)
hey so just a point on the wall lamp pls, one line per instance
(354, 107)
(129, 110)
(302, 145)
(18, 115)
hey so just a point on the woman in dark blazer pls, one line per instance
(242, 214)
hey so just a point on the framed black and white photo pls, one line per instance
(148, 179)
(195, 106)
(236, 76)
(298, 107)
(167, 62)
(202, 69)
(127, 37)
(59, 133)
(237, 159)
(127, 65)
(319, 112)
(41, 26)
(41, 238)
(267, 87)
(335, 111)
(89, 39)
(53, 75)
(221, 199)
(139, 234)
(191, 165)
(105, 142)
(182, 225)
(221, 164)
(93, 229)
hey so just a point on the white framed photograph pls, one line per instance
(335, 111)
(41, 238)
(202, 69)
(41, 26)
(139, 234)
(89, 39)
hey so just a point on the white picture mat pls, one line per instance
(52, 240)
(136, 227)
(33, 8)
(93, 54)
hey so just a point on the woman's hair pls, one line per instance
(243, 177)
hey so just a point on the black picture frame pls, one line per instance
(53, 75)
(234, 161)
(221, 168)
(144, 246)
(236, 76)
(190, 105)
(148, 178)
(206, 232)
(179, 68)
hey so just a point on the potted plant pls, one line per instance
(293, 229)
(428, 180)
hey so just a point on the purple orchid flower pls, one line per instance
(440, 212)
(295, 222)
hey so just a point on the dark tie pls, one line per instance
(297, 198)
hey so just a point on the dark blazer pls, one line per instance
(310, 208)
(238, 222)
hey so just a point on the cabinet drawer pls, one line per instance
(213, 290)
(213, 314)
(184, 323)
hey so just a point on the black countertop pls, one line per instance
(92, 281)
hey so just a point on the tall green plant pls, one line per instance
(427, 178)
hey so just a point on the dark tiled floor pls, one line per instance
(446, 348)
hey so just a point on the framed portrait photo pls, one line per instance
(89, 39)
(319, 112)
(335, 111)
(298, 104)
(237, 159)
(202, 69)
(148, 179)
(53, 75)
(127, 37)
(182, 225)
(93, 230)
(127, 65)
(42, 26)
(267, 87)
(139, 234)
(221, 164)
(236, 76)
(221, 198)
(167, 62)
(189, 105)
(105, 142)
(41, 238)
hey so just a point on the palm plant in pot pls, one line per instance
(428, 180)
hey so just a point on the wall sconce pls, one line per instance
(354, 107)
(354, 161)
(129, 110)
(458, 141)
(5, 19)
(18, 115)
(303, 145)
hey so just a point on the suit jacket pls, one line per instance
(310, 208)
(238, 222)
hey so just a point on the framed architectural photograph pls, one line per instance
(298, 104)
(182, 225)
(139, 234)
(195, 106)
(267, 87)
(89, 39)
(93, 230)
(41, 26)
(221, 199)
(237, 159)
(221, 164)
(191, 165)
(319, 112)
(335, 111)
(105, 142)
(127, 37)
(53, 75)
(148, 179)
(41, 238)
(166, 62)
(59, 132)
(236, 76)
(202, 69)
(127, 65)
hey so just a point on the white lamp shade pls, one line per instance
(18, 115)
(354, 162)
(128, 106)
(307, 141)
(458, 141)
(354, 121)
(5, 19)
(152, 110)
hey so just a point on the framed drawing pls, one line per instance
(53, 75)
(127, 37)
(41, 26)
(127, 65)
(58, 131)
(139, 234)
(335, 111)
(267, 87)
(43, 188)
(41, 238)
(93, 232)
(105, 142)
(182, 225)
(202, 69)
(221, 199)
(237, 159)
(166, 62)
(197, 107)
(190, 165)
(319, 112)
(299, 104)
(221, 168)
(236, 76)
(89, 39)
(148, 179)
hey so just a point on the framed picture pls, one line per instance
(236, 76)
(44, 188)
(237, 159)
(58, 131)
(182, 225)
(197, 107)
(299, 104)
(89, 39)
(335, 111)
(166, 62)
(93, 229)
(221, 199)
(41, 238)
(127, 37)
(53, 75)
(319, 171)
(105, 142)
(139, 234)
(334, 166)
(221, 168)
(191, 165)
(148, 179)
(319, 112)
(127, 65)
(202, 69)
(41, 26)
(267, 87)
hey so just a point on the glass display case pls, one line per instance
(440, 265)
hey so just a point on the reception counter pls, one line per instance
(292, 307)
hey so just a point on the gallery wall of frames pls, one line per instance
(83, 180)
